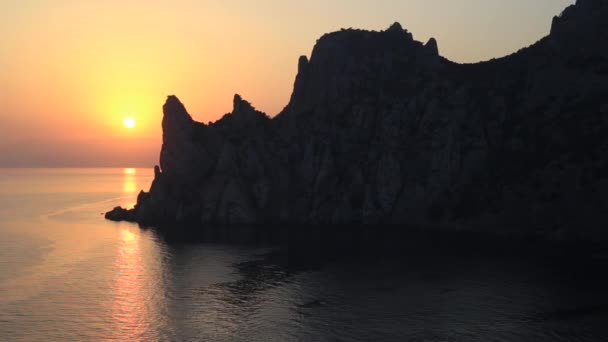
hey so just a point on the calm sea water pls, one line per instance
(68, 274)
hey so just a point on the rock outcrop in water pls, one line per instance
(380, 129)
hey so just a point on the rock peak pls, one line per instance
(238, 104)
(236, 101)
(431, 47)
(173, 108)
(175, 118)
(302, 64)
(172, 98)
(395, 27)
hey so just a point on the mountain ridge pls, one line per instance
(381, 129)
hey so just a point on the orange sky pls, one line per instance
(71, 71)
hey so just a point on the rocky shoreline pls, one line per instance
(381, 129)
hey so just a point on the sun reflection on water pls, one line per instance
(129, 184)
(129, 309)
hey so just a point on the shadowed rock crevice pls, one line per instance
(380, 129)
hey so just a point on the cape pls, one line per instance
(381, 129)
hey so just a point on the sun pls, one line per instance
(129, 122)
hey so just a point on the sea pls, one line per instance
(67, 274)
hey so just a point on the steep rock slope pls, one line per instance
(380, 129)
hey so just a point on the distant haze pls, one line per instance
(71, 71)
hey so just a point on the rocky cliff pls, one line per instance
(381, 129)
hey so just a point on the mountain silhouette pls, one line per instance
(381, 129)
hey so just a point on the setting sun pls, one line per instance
(129, 122)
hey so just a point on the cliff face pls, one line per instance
(381, 129)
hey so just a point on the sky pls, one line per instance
(71, 71)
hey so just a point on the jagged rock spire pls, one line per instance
(302, 64)
(431, 47)
(175, 110)
(240, 105)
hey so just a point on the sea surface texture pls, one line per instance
(68, 274)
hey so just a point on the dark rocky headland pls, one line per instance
(380, 129)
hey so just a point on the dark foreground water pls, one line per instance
(67, 274)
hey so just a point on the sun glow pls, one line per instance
(129, 122)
